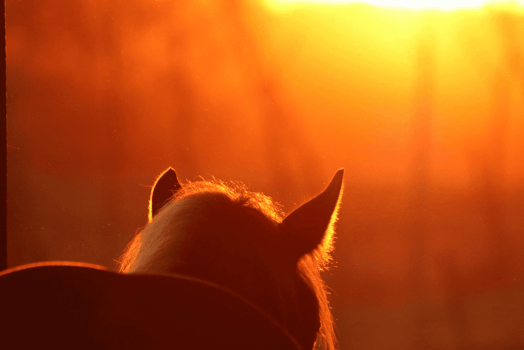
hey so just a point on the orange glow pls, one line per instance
(413, 4)
(422, 102)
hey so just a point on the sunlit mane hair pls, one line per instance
(151, 250)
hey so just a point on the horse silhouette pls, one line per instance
(241, 240)
(216, 267)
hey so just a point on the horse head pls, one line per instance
(242, 241)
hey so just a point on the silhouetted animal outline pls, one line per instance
(238, 239)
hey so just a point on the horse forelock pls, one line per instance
(185, 232)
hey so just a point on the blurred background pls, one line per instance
(424, 108)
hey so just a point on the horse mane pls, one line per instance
(138, 255)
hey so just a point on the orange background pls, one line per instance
(423, 108)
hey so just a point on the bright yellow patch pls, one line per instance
(414, 4)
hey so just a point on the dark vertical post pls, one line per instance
(420, 174)
(501, 264)
(421, 143)
(494, 166)
(3, 150)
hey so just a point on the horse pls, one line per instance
(241, 240)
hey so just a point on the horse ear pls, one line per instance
(306, 226)
(165, 186)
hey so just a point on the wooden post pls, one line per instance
(3, 150)
(420, 176)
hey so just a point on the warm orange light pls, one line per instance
(415, 4)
